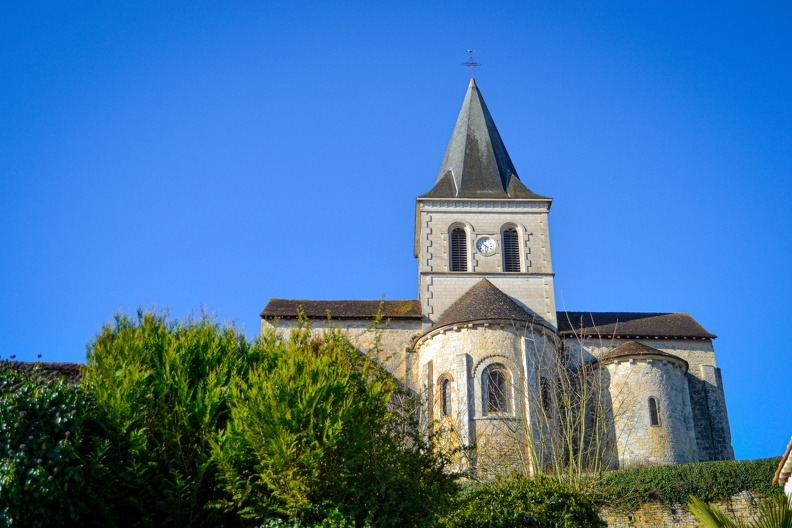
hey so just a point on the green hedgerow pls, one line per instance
(520, 501)
(710, 481)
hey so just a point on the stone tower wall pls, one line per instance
(707, 398)
(705, 386)
(632, 381)
(439, 287)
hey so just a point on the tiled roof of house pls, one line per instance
(631, 324)
(344, 309)
(636, 349)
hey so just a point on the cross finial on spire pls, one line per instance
(470, 62)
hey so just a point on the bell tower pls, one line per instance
(480, 221)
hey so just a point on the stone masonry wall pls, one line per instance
(707, 399)
(743, 506)
(463, 354)
(719, 418)
(701, 418)
(439, 287)
(632, 381)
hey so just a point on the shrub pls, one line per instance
(161, 393)
(540, 502)
(312, 437)
(192, 424)
(40, 430)
(710, 481)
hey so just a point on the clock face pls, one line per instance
(485, 245)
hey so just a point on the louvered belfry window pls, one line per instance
(511, 250)
(458, 249)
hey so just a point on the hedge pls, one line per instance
(709, 481)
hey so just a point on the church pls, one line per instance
(502, 375)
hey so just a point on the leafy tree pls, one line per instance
(313, 437)
(40, 429)
(161, 391)
(541, 502)
(774, 512)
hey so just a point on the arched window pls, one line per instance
(544, 394)
(511, 249)
(496, 388)
(654, 411)
(445, 394)
(458, 255)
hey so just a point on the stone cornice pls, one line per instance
(520, 327)
(676, 363)
(487, 204)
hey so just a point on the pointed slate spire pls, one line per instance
(476, 163)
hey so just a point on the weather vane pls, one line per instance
(470, 62)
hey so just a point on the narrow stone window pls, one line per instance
(445, 394)
(496, 389)
(544, 392)
(654, 412)
(458, 249)
(511, 249)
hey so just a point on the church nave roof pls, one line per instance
(631, 324)
(485, 301)
(342, 309)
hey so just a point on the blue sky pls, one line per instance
(213, 155)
